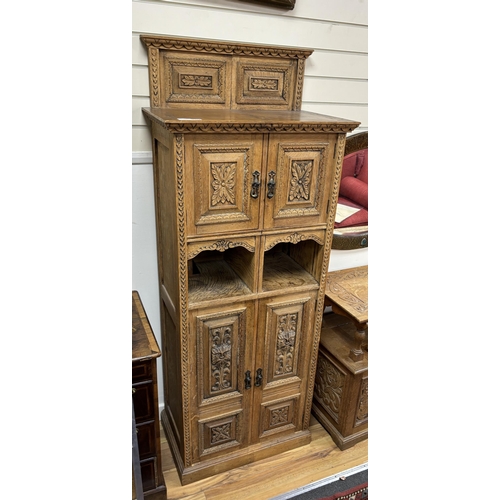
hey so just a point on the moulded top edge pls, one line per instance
(191, 118)
(224, 47)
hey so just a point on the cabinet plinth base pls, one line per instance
(207, 468)
(343, 442)
(159, 493)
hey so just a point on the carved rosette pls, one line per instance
(285, 344)
(223, 183)
(279, 416)
(300, 183)
(220, 434)
(221, 358)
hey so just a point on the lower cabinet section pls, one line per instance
(248, 380)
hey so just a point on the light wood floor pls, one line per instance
(269, 477)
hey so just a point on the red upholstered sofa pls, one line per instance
(354, 193)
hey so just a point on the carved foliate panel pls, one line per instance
(189, 79)
(265, 83)
(285, 330)
(278, 416)
(218, 338)
(223, 173)
(303, 171)
(329, 386)
(219, 434)
(362, 409)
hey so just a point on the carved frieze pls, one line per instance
(231, 128)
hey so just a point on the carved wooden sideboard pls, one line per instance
(246, 186)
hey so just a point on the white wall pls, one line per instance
(335, 83)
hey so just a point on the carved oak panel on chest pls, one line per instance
(246, 186)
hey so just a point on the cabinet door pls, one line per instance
(223, 173)
(282, 359)
(299, 175)
(220, 395)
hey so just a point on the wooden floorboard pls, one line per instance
(269, 477)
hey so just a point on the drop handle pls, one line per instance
(258, 378)
(255, 185)
(248, 380)
(271, 184)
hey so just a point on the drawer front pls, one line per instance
(146, 439)
(141, 371)
(148, 473)
(143, 397)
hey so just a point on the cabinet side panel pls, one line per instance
(166, 205)
(172, 377)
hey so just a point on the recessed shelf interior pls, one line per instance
(288, 265)
(216, 275)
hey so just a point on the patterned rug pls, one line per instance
(357, 493)
(351, 484)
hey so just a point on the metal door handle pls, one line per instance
(271, 184)
(255, 184)
(258, 378)
(248, 380)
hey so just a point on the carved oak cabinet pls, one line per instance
(246, 186)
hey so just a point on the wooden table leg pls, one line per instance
(357, 353)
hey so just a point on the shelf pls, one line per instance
(215, 280)
(281, 271)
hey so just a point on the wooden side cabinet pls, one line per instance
(145, 351)
(246, 187)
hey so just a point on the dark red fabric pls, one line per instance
(354, 189)
(363, 171)
(357, 493)
(349, 165)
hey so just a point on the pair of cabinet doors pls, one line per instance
(252, 366)
(247, 182)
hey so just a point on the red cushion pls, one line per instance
(355, 189)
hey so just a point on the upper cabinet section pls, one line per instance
(189, 73)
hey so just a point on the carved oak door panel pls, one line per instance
(299, 171)
(223, 174)
(220, 389)
(283, 354)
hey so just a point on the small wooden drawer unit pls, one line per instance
(145, 350)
